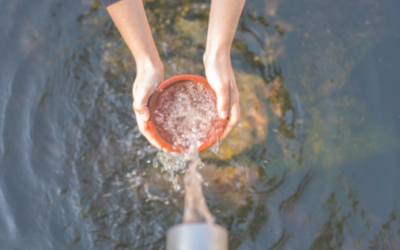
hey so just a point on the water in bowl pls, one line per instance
(186, 109)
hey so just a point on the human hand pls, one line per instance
(131, 21)
(220, 75)
(147, 80)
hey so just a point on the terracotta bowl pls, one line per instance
(157, 131)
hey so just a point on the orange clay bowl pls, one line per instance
(165, 138)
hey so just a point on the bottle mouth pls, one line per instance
(166, 94)
(197, 236)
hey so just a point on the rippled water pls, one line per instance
(313, 164)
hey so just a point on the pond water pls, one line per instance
(313, 164)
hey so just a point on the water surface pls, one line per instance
(313, 164)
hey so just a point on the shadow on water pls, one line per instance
(309, 166)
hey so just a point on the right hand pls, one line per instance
(147, 80)
(220, 75)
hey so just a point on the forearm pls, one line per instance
(130, 18)
(224, 18)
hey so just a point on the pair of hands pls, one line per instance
(130, 19)
(219, 74)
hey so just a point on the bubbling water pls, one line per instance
(186, 116)
(196, 209)
(186, 109)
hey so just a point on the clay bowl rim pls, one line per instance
(153, 99)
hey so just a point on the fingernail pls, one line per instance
(144, 117)
(224, 114)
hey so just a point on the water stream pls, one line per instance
(185, 113)
(196, 209)
(312, 164)
(195, 206)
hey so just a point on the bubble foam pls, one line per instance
(186, 109)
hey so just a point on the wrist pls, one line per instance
(212, 56)
(149, 63)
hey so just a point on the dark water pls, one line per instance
(313, 164)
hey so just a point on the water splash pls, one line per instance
(186, 116)
(188, 162)
(196, 209)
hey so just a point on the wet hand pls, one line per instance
(220, 75)
(146, 82)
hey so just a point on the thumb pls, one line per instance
(223, 102)
(140, 101)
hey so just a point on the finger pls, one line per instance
(146, 132)
(223, 101)
(141, 98)
(234, 117)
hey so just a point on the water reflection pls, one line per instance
(289, 203)
(312, 165)
(388, 237)
(157, 188)
(252, 185)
